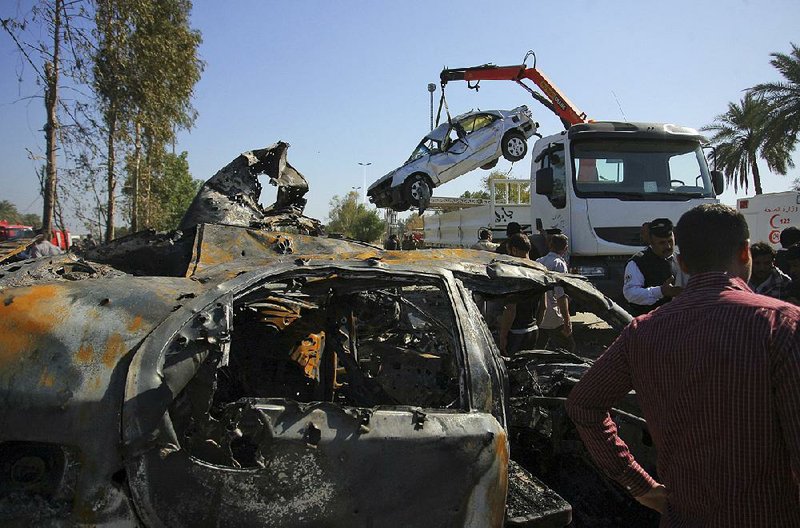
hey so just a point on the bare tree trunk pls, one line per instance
(112, 182)
(51, 128)
(756, 178)
(149, 176)
(137, 157)
(59, 213)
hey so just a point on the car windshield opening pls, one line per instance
(313, 340)
(640, 170)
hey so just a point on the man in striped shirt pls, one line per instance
(717, 375)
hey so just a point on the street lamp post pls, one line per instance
(431, 89)
(365, 165)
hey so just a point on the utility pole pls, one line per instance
(365, 165)
(431, 89)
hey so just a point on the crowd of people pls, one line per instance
(713, 355)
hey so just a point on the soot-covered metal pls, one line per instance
(247, 371)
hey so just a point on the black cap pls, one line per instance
(512, 228)
(661, 227)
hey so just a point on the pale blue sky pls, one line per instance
(346, 81)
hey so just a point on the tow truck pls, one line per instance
(597, 182)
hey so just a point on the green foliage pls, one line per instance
(171, 192)
(31, 219)
(764, 125)
(783, 100)
(414, 220)
(520, 193)
(10, 213)
(166, 67)
(478, 195)
(352, 219)
(146, 67)
(740, 139)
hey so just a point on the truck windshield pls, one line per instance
(640, 170)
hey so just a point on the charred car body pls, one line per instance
(245, 371)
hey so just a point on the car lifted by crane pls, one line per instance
(597, 182)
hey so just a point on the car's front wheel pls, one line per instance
(514, 146)
(417, 189)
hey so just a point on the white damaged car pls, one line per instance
(466, 142)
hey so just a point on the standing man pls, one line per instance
(717, 375)
(512, 228)
(789, 237)
(555, 327)
(650, 274)
(518, 328)
(793, 265)
(392, 243)
(485, 241)
(767, 279)
(88, 242)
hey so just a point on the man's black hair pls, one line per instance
(558, 242)
(760, 249)
(710, 236)
(790, 236)
(513, 227)
(484, 234)
(519, 241)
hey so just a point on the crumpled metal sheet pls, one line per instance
(65, 346)
(58, 268)
(217, 245)
(231, 196)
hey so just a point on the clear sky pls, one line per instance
(345, 81)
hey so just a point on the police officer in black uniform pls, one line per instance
(650, 274)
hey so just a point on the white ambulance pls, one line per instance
(769, 214)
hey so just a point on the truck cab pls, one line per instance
(598, 182)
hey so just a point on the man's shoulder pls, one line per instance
(638, 256)
(735, 298)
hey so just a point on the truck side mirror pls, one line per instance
(718, 181)
(544, 181)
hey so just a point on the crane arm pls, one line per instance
(555, 101)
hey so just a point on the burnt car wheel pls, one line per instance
(417, 189)
(490, 165)
(514, 146)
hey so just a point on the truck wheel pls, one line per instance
(514, 146)
(490, 165)
(417, 189)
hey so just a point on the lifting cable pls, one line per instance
(443, 103)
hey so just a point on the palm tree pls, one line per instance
(783, 98)
(740, 139)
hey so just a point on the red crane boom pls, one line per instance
(555, 100)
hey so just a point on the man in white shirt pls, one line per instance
(651, 274)
(485, 242)
(555, 325)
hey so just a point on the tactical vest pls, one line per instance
(656, 271)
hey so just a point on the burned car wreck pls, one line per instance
(246, 371)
